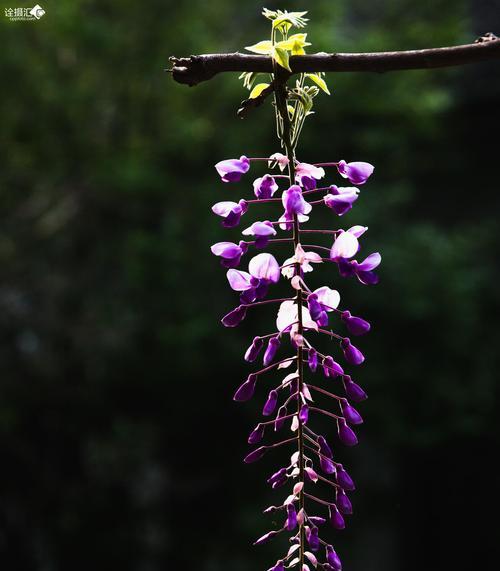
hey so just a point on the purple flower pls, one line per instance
(320, 302)
(312, 360)
(279, 421)
(353, 390)
(343, 502)
(231, 170)
(229, 252)
(262, 232)
(344, 480)
(326, 465)
(265, 537)
(272, 348)
(231, 212)
(333, 558)
(336, 519)
(235, 317)
(304, 414)
(294, 203)
(277, 476)
(340, 199)
(263, 270)
(346, 244)
(257, 434)
(324, 448)
(357, 172)
(255, 455)
(291, 520)
(312, 538)
(280, 566)
(270, 405)
(306, 175)
(331, 368)
(350, 413)
(352, 354)
(363, 271)
(254, 349)
(346, 434)
(317, 520)
(246, 390)
(265, 186)
(355, 325)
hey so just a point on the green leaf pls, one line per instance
(258, 89)
(319, 81)
(281, 57)
(265, 47)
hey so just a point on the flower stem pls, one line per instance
(281, 108)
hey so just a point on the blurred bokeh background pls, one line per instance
(120, 445)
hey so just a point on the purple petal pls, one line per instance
(336, 519)
(312, 360)
(344, 480)
(357, 172)
(270, 405)
(260, 229)
(346, 434)
(231, 170)
(350, 413)
(343, 502)
(370, 262)
(333, 558)
(254, 349)
(257, 434)
(265, 186)
(235, 317)
(355, 325)
(351, 353)
(265, 537)
(272, 348)
(255, 455)
(291, 520)
(246, 390)
(304, 414)
(353, 390)
(324, 448)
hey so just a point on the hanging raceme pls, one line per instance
(313, 472)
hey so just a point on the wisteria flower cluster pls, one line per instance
(295, 188)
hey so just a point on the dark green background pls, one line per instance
(120, 445)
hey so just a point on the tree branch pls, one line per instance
(195, 69)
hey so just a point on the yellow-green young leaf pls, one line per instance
(294, 42)
(281, 57)
(265, 47)
(291, 110)
(319, 81)
(258, 89)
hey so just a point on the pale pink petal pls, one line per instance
(223, 208)
(295, 423)
(345, 246)
(328, 297)
(298, 488)
(265, 266)
(358, 231)
(238, 280)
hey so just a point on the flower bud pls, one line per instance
(324, 448)
(254, 349)
(350, 413)
(355, 325)
(304, 414)
(265, 537)
(344, 480)
(272, 348)
(291, 520)
(255, 455)
(245, 392)
(353, 390)
(312, 359)
(336, 519)
(256, 435)
(343, 502)
(333, 558)
(352, 354)
(270, 404)
(346, 434)
(235, 317)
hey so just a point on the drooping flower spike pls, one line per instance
(306, 322)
